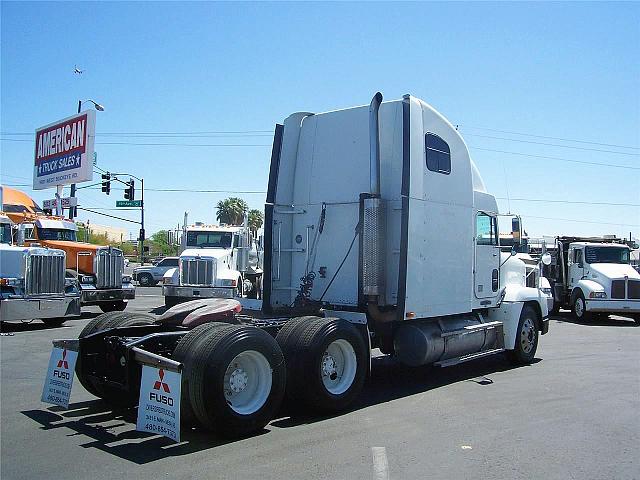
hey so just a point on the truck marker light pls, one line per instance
(411, 315)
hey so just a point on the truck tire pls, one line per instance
(326, 363)
(184, 353)
(146, 280)
(579, 308)
(103, 322)
(526, 337)
(113, 306)
(170, 301)
(93, 326)
(236, 380)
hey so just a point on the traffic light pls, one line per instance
(106, 183)
(130, 191)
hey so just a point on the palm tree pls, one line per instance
(256, 219)
(231, 211)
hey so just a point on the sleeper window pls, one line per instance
(438, 154)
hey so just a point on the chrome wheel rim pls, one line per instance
(528, 335)
(579, 307)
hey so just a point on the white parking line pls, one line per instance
(380, 464)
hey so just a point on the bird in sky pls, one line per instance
(77, 71)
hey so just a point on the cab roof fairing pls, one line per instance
(57, 224)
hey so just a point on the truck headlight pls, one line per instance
(227, 283)
(546, 291)
(11, 282)
(126, 279)
(597, 295)
(87, 279)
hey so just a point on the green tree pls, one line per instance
(160, 245)
(231, 211)
(256, 219)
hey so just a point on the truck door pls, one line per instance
(487, 260)
(576, 265)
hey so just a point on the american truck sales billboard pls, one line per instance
(64, 151)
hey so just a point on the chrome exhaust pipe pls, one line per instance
(374, 143)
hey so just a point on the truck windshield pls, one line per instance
(5, 233)
(606, 255)
(57, 234)
(209, 239)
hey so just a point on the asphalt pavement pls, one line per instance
(573, 414)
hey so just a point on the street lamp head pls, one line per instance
(99, 107)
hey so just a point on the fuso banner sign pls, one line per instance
(159, 405)
(64, 151)
(59, 380)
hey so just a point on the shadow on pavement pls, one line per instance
(596, 321)
(97, 421)
(34, 325)
(390, 380)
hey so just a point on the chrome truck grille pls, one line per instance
(45, 273)
(196, 271)
(109, 268)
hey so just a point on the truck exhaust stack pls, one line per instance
(373, 215)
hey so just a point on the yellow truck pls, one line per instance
(99, 269)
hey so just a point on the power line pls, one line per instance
(555, 158)
(570, 202)
(160, 144)
(551, 144)
(553, 138)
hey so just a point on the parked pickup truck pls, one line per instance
(152, 274)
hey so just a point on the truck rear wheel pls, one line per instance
(54, 322)
(526, 337)
(184, 353)
(326, 363)
(237, 380)
(580, 308)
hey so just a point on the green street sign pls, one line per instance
(128, 203)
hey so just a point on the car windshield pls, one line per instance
(606, 255)
(5, 233)
(56, 234)
(209, 239)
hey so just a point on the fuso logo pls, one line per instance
(160, 383)
(62, 363)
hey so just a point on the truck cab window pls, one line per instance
(438, 154)
(578, 257)
(486, 230)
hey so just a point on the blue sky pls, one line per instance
(564, 70)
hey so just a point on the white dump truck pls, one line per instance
(216, 262)
(379, 234)
(32, 282)
(593, 276)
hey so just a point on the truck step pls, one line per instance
(466, 358)
(471, 329)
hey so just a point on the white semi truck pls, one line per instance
(215, 262)
(593, 276)
(379, 234)
(32, 282)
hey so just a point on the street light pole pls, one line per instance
(142, 222)
(100, 108)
